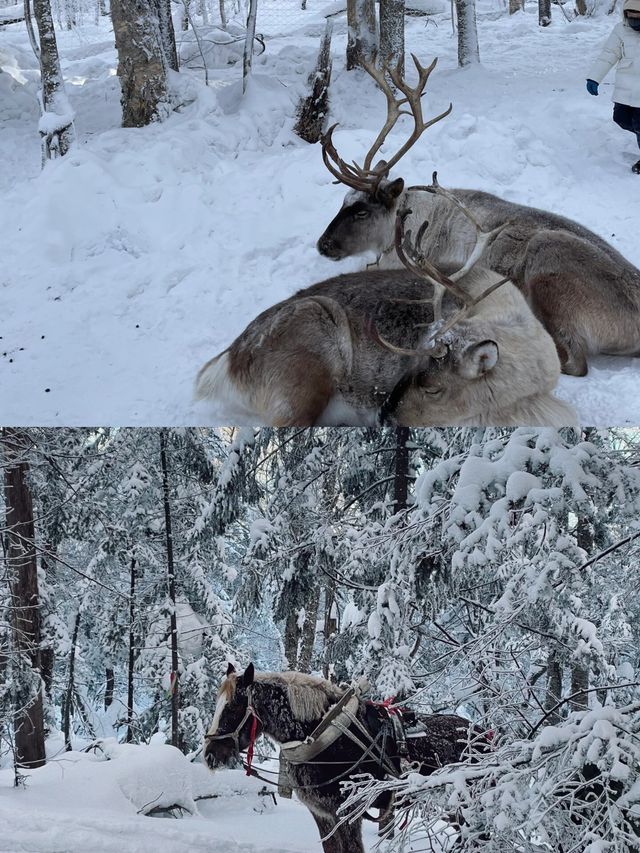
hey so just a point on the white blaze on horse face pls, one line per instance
(220, 706)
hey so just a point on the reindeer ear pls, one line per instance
(248, 675)
(387, 193)
(478, 359)
(231, 668)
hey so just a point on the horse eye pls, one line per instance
(361, 214)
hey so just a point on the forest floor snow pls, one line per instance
(133, 260)
(92, 803)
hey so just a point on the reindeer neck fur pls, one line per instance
(291, 704)
(449, 239)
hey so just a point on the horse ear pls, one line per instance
(248, 675)
(231, 668)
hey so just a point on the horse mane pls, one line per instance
(309, 695)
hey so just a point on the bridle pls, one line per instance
(250, 713)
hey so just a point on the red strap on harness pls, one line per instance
(252, 741)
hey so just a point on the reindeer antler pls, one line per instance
(365, 177)
(412, 258)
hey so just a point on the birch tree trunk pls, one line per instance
(392, 33)
(23, 583)
(248, 44)
(544, 12)
(141, 63)
(468, 49)
(55, 127)
(171, 581)
(167, 34)
(362, 38)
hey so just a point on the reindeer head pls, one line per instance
(368, 214)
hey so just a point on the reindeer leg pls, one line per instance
(547, 297)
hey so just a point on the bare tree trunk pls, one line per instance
(291, 639)
(68, 704)
(362, 39)
(248, 44)
(309, 629)
(223, 15)
(544, 12)
(141, 62)
(56, 122)
(204, 13)
(579, 686)
(109, 687)
(47, 652)
(392, 33)
(401, 479)
(516, 6)
(171, 578)
(581, 7)
(313, 109)
(554, 687)
(23, 583)
(131, 662)
(167, 34)
(468, 49)
(186, 15)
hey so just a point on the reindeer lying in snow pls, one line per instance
(319, 358)
(586, 294)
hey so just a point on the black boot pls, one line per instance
(636, 168)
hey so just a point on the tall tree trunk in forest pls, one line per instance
(553, 692)
(56, 128)
(142, 67)
(580, 671)
(68, 704)
(579, 687)
(167, 33)
(401, 478)
(185, 15)
(392, 33)
(132, 657)
(309, 629)
(581, 7)
(171, 580)
(291, 639)
(23, 583)
(516, 6)
(330, 623)
(362, 38)
(468, 49)
(47, 652)
(109, 687)
(544, 12)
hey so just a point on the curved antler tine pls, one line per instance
(377, 338)
(352, 177)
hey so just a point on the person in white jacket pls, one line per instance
(622, 48)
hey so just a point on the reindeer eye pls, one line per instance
(434, 391)
(362, 214)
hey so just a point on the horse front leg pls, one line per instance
(347, 838)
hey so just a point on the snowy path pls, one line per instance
(144, 252)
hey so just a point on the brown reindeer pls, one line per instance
(586, 294)
(427, 360)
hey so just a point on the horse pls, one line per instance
(328, 735)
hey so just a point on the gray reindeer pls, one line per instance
(585, 293)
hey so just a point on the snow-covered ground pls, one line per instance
(95, 803)
(142, 254)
